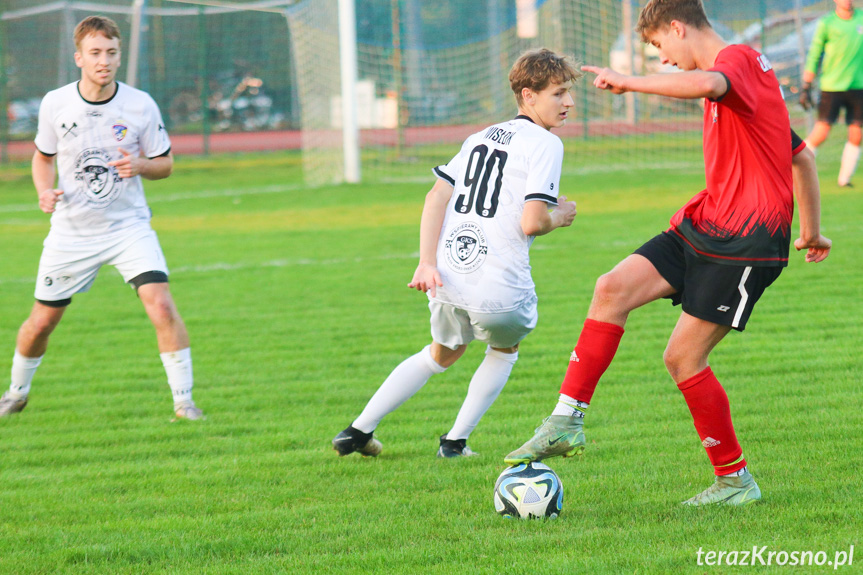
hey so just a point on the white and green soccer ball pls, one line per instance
(528, 491)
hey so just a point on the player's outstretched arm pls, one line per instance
(426, 277)
(685, 85)
(43, 179)
(536, 220)
(807, 191)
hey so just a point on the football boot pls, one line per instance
(352, 439)
(558, 435)
(728, 490)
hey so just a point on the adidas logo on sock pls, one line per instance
(710, 442)
(573, 356)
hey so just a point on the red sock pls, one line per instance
(593, 353)
(711, 413)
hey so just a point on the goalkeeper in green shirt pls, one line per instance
(838, 48)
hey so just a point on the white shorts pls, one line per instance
(452, 326)
(65, 270)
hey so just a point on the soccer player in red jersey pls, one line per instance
(723, 249)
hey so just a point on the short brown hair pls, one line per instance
(536, 69)
(96, 25)
(658, 14)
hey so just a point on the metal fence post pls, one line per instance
(66, 45)
(629, 97)
(203, 75)
(801, 49)
(585, 102)
(398, 84)
(4, 99)
(762, 16)
(135, 44)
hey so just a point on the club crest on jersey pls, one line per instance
(466, 248)
(119, 131)
(100, 183)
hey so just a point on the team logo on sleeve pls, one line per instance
(119, 131)
(100, 182)
(466, 248)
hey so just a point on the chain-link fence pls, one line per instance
(211, 69)
(265, 74)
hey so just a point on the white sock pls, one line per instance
(404, 381)
(811, 147)
(23, 370)
(850, 155)
(737, 473)
(570, 407)
(487, 383)
(178, 366)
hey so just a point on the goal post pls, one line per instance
(348, 66)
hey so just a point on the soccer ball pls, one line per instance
(528, 491)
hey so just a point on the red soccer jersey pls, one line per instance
(744, 215)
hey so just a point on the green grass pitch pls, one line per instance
(297, 306)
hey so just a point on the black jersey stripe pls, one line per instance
(796, 142)
(543, 197)
(162, 155)
(443, 175)
(727, 88)
(46, 154)
(103, 102)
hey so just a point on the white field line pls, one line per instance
(288, 263)
(694, 166)
(611, 168)
(34, 206)
(280, 263)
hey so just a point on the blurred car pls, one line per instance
(783, 47)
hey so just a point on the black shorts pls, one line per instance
(718, 293)
(832, 103)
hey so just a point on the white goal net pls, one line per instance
(429, 74)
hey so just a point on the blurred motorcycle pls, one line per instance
(23, 116)
(233, 104)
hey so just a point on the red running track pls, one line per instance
(292, 139)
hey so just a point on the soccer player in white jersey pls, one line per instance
(479, 220)
(105, 136)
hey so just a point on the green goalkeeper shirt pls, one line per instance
(841, 43)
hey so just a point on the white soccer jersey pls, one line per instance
(85, 136)
(482, 254)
